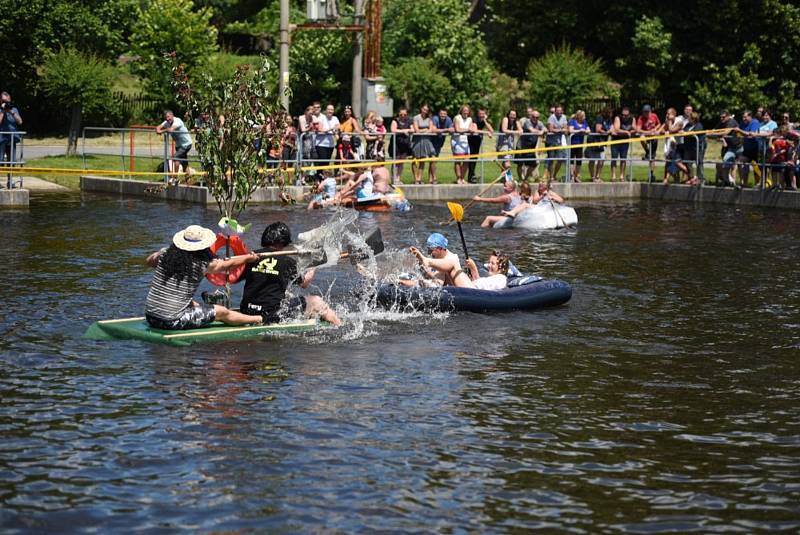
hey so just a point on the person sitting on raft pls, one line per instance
(179, 270)
(497, 266)
(437, 248)
(325, 191)
(543, 195)
(265, 283)
(509, 199)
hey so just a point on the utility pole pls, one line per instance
(358, 62)
(284, 54)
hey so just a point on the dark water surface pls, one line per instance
(664, 397)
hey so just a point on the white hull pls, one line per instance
(542, 217)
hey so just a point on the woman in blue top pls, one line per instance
(577, 128)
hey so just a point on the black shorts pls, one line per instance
(181, 155)
(292, 307)
(650, 149)
(192, 317)
(751, 154)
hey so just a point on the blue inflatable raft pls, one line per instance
(526, 293)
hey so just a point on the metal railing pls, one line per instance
(10, 142)
(129, 147)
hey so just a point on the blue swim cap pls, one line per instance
(436, 240)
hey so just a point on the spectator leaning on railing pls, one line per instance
(731, 149)
(327, 129)
(648, 125)
(596, 156)
(557, 130)
(10, 120)
(622, 129)
(482, 125)
(532, 129)
(180, 135)
(442, 125)
(694, 148)
(400, 144)
(749, 128)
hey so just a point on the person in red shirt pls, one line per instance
(648, 125)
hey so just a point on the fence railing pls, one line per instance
(12, 154)
(135, 146)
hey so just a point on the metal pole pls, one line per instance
(355, 94)
(283, 83)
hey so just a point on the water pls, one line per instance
(664, 397)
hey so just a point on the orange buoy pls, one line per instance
(237, 247)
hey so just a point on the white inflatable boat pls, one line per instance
(542, 216)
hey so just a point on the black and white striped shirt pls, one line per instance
(168, 298)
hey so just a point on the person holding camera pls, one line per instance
(10, 120)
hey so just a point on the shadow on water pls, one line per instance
(662, 398)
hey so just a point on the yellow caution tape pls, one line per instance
(358, 164)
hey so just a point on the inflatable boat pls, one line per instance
(380, 202)
(523, 293)
(542, 216)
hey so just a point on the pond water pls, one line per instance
(665, 396)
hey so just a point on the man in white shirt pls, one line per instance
(324, 141)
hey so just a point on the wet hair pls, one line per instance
(525, 189)
(276, 234)
(502, 260)
(178, 263)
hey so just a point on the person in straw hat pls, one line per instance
(179, 270)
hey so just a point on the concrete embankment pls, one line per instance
(14, 198)
(451, 192)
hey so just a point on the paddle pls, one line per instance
(374, 240)
(457, 211)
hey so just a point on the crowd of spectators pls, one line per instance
(755, 142)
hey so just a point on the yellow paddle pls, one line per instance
(457, 211)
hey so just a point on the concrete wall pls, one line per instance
(14, 198)
(452, 192)
(711, 194)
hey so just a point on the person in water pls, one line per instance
(542, 195)
(266, 281)
(509, 199)
(325, 192)
(437, 248)
(179, 270)
(497, 266)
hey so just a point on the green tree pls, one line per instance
(566, 75)
(77, 81)
(165, 27)
(651, 55)
(733, 88)
(324, 57)
(439, 32)
(228, 152)
(415, 81)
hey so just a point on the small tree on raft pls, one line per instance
(232, 153)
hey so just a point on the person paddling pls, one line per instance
(265, 283)
(542, 195)
(437, 248)
(497, 266)
(179, 270)
(510, 199)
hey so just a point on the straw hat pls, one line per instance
(194, 238)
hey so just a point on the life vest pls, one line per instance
(237, 248)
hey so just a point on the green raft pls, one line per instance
(139, 329)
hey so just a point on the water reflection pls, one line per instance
(664, 397)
